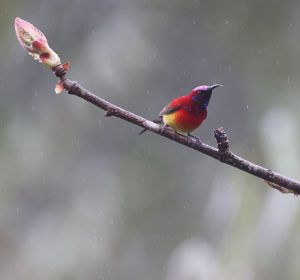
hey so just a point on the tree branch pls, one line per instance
(223, 153)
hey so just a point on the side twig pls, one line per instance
(223, 153)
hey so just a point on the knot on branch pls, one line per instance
(59, 71)
(110, 112)
(270, 174)
(223, 143)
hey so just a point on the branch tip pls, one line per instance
(35, 42)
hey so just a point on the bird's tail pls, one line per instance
(157, 121)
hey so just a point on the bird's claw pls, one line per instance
(198, 141)
(163, 127)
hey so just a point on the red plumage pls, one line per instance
(186, 113)
(183, 114)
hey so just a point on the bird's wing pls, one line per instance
(172, 107)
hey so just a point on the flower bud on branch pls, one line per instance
(35, 42)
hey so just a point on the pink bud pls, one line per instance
(35, 42)
(59, 88)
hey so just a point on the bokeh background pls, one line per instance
(84, 197)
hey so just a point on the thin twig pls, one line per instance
(222, 154)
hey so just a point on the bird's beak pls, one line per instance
(214, 86)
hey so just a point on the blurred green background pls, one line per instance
(84, 197)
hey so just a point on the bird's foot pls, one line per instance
(163, 127)
(198, 141)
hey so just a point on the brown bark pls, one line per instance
(223, 153)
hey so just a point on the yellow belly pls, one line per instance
(184, 121)
(172, 121)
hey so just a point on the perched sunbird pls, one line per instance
(186, 113)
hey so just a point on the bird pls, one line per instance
(186, 113)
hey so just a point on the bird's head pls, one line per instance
(202, 94)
